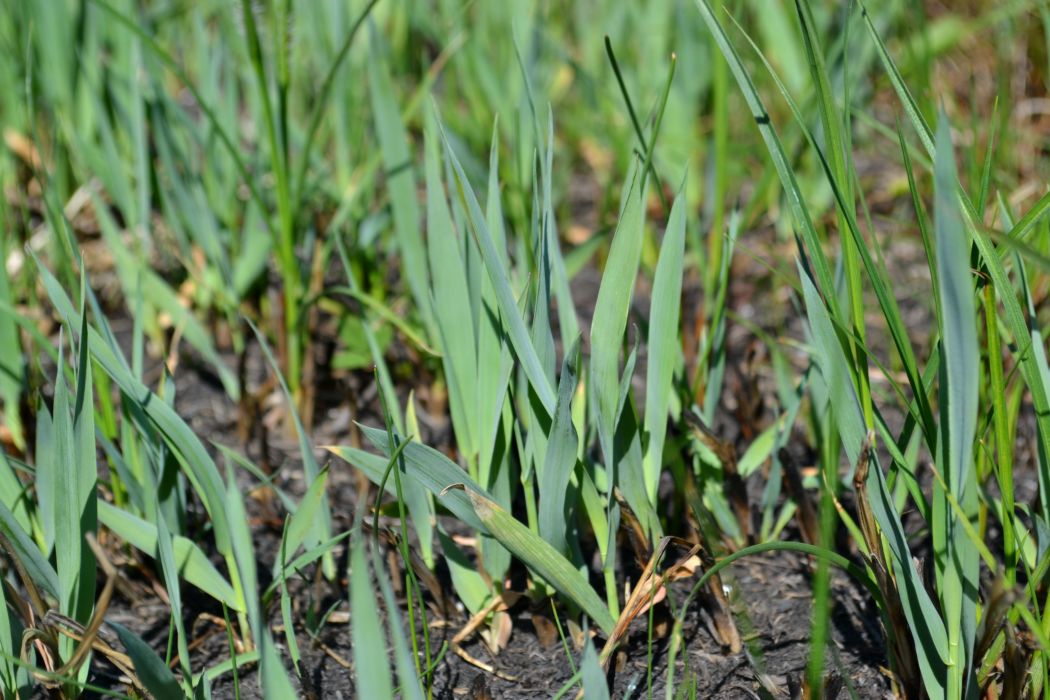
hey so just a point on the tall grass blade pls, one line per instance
(957, 557)
(372, 679)
(664, 312)
(610, 314)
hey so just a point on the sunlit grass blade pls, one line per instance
(610, 314)
(431, 469)
(511, 316)
(372, 679)
(273, 679)
(539, 556)
(321, 525)
(957, 558)
(664, 312)
(559, 462)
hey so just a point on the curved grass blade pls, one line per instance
(539, 556)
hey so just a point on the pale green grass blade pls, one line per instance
(198, 465)
(401, 183)
(539, 556)
(450, 300)
(834, 367)
(420, 508)
(372, 679)
(1015, 316)
(470, 586)
(664, 312)
(568, 324)
(166, 555)
(592, 675)
(923, 618)
(321, 526)
(13, 492)
(73, 472)
(433, 470)
(515, 325)
(273, 679)
(559, 462)
(190, 561)
(406, 670)
(610, 314)
(304, 518)
(149, 667)
(495, 361)
(960, 372)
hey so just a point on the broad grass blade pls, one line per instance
(959, 371)
(149, 667)
(539, 556)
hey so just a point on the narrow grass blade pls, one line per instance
(198, 465)
(372, 679)
(799, 210)
(24, 551)
(433, 470)
(450, 300)
(511, 316)
(664, 311)
(321, 525)
(397, 160)
(273, 679)
(610, 314)
(560, 459)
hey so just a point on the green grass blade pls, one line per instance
(321, 526)
(372, 679)
(450, 301)
(960, 370)
(610, 314)
(191, 562)
(198, 465)
(592, 676)
(799, 210)
(511, 316)
(149, 667)
(539, 556)
(560, 458)
(401, 182)
(23, 550)
(664, 311)
(425, 465)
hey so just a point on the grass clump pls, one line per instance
(586, 380)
